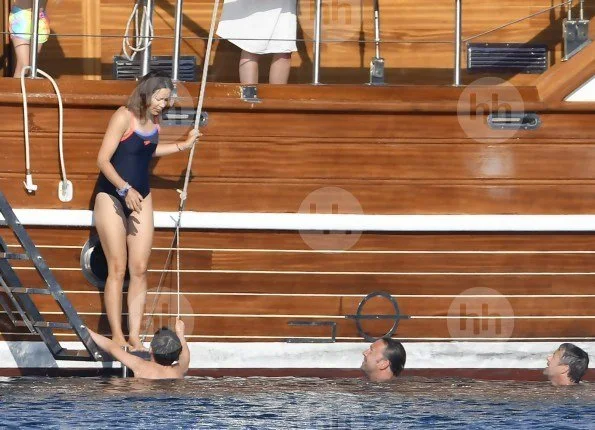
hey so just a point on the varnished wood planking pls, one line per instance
(351, 262)
(343, 98)
(166, 301)
(369, 241)
(452, 197)
(314, 284)
(412, 328)
(312, 159)
(421, 128)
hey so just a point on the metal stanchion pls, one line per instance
(377, 63)
(34, 37)
(177, 40)
(458, 36)
(146, 34)
(317, 37)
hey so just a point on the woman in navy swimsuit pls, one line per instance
(123, 206)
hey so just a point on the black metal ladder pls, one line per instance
(25, 308)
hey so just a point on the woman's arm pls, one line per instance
(172, 148)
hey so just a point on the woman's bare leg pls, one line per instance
(22, 49)
(22, 53)
(140, 242)
(280, 67)
(111, 227)
(249, 68)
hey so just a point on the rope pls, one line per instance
(66, 185)
(142, 43)
(184, 192)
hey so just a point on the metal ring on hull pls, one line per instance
(358, 316)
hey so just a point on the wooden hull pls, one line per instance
(392, 151)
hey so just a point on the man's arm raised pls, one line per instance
(184, 359)
(112, 348)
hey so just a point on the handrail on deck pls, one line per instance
(317, 40)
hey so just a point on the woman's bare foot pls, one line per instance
(121, 342)
(136, 345)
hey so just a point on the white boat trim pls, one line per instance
(584, 93)
(327, 222)
(279, 355)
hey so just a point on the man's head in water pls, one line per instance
(384, 360)
(566, 365)
(166, 347)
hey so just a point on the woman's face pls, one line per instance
(159, 101)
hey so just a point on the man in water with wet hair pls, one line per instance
(167, 347)
(384, 360)
(567, 365)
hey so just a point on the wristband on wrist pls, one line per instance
(122, 192)
(178, 146)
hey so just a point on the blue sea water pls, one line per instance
(292, 403)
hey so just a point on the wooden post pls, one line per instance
(91, 24)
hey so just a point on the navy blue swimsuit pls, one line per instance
(131, 160)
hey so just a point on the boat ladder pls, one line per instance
(24, 312)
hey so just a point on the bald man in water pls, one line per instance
(167, 348)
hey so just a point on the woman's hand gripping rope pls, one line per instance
(193, 136)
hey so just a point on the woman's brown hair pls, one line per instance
(140, 99)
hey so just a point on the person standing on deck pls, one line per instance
(20, 24)
(384, 360)
(261, 27)
(123, 209)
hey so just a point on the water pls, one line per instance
(291, 403)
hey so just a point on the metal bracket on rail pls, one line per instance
(331, 324)
(575, 32)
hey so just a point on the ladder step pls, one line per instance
(44, 324)
(23, 290)
(51, 324)
(11, 256)
(21, 296)
(74, 354)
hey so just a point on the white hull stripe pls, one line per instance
(278, 355)
(326, 222)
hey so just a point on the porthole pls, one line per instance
(94, 264)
